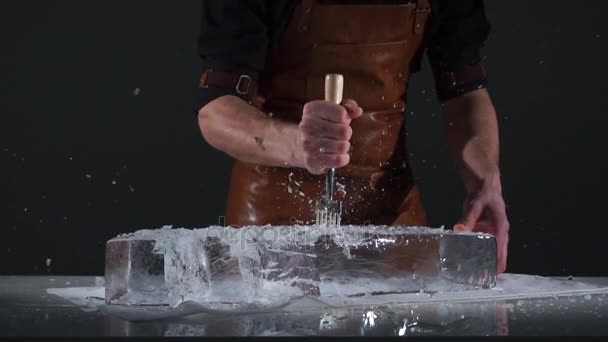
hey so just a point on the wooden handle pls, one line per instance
(334, 88)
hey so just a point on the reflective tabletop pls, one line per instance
(27, 309)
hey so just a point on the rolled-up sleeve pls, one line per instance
(233, 38)
(460, 31)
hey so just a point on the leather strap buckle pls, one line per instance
(245, 85)
(239, 84)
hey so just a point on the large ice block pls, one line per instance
(261, 266)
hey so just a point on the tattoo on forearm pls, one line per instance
(260, 142)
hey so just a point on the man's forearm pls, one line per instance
(245, 133)
(471, 132)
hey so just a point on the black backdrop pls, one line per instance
(98, 137)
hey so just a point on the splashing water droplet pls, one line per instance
(341, 188)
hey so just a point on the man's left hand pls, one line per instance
(485, 212)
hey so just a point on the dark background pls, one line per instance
(98, 136)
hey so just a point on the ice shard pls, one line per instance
(262, 266)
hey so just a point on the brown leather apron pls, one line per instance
(372, 46)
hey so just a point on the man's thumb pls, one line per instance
(353, 109)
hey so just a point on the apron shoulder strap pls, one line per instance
(426, 4)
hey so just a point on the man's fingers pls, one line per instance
(318, 162)
(353, 109)
(500, 230)
(502, 243)
(485, 212)
(317, 170)
(472, 212)
(317, 128)
(501, 262)
(324, 110)
(324, 145)
(460, 227)
(501, 258)
(325, 133)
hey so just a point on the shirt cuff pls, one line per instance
(453, 84)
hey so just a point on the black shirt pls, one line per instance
(236, 35)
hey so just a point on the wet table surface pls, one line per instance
(28, 310)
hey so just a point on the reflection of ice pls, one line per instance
(369, 319)
(185, 330)
(327, 322)
(403, 329)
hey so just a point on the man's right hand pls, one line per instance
(325, 134)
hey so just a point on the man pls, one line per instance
(265, 62)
